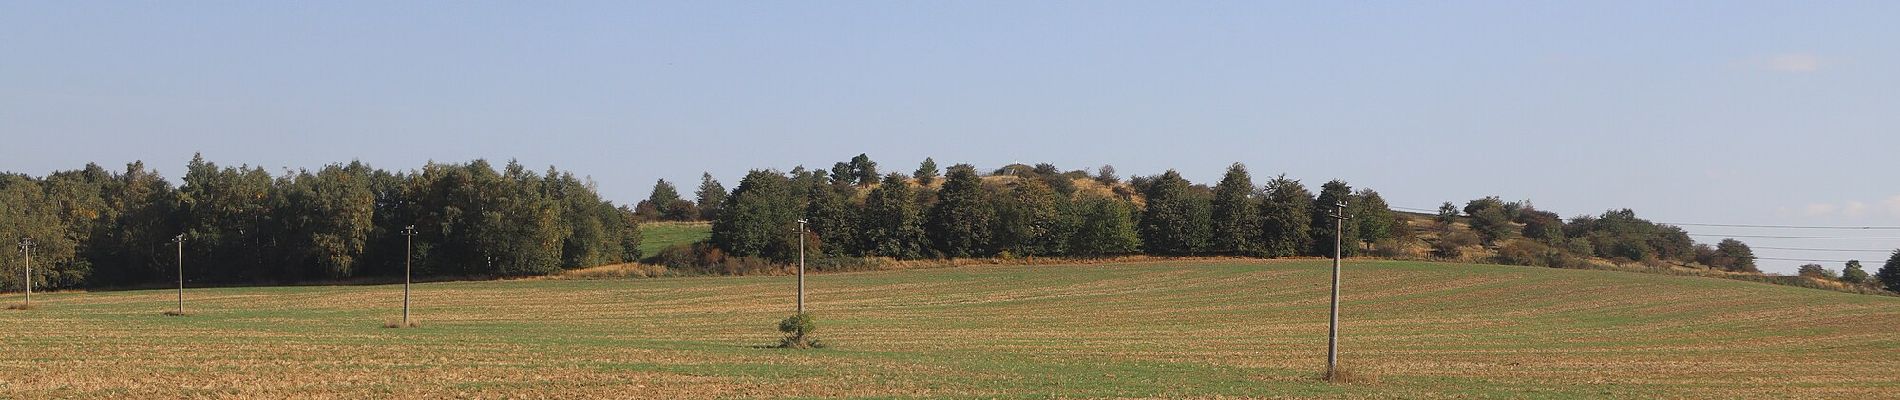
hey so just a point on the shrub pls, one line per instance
(1393, 248)
(798, 329)
(1531, 253)
(1451, 243)
(1817, 271)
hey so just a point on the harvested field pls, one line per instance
(1156, 329)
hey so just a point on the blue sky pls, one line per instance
(1723, 112)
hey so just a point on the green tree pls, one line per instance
(327, 218)
(1889, 274)
(710, 195)
(926, 172)
(1447, 214)
(864, 170)
(1286, 218)
(520, 232)
(1853, 273)
(760, 218)
(1235, 215)
(832, 220)
(891, 225)
(1177, 220)
(1490, 219)
(27, 212)
(1374, 217)
(1543, 226)
(665, 204)
(1105, 227)
(227, 218)
(1032, 220)
(143, 211)
(1733, 255)
(959, 224)
(1331, 195)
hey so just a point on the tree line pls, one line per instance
(1033, 211)
(97, 227)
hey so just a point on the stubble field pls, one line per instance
(1201, 329)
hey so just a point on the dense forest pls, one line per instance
(241, 224)
(96, 227)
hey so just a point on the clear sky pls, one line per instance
(1710, 112)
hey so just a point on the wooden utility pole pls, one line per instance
(180, 240)
(801, 266)
(408, 256)
(1332, 333)
(26, 275)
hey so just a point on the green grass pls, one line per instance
(655, 236)
(1150, 330)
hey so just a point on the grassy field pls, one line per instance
(1166, 329)
(658, 235)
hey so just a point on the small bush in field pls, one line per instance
(797, 329)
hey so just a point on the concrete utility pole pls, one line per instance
(1332, 333)
(408, 256)
(26, 275)
(180, 240)
(801, 266)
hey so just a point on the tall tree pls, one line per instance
(832, 219)
(1733, 255)
(227, 215)
(891, 225)
(1105, 227)
(1374, 217)
(1330, 195)
(1176, 221)
(1286, 218)
(328, 219)
(959, 224)
(665, 204)
(864, 170)
(710, 195)
(1490, 219)
(1889, 274)
(926, 172)
(760, 218)
(1031, 220)
(1236, 219)
(27, 212)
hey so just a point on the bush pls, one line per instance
(1531, 253)
(798, 329)
(1393, 248)
(847, 264)
(1451, 243)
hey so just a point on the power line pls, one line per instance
(1836, 227)
(1812, 249)
(1800, 259)
(1798, 237)
(1785, 226)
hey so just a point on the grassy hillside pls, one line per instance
(1250, 329)
(658, 235)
